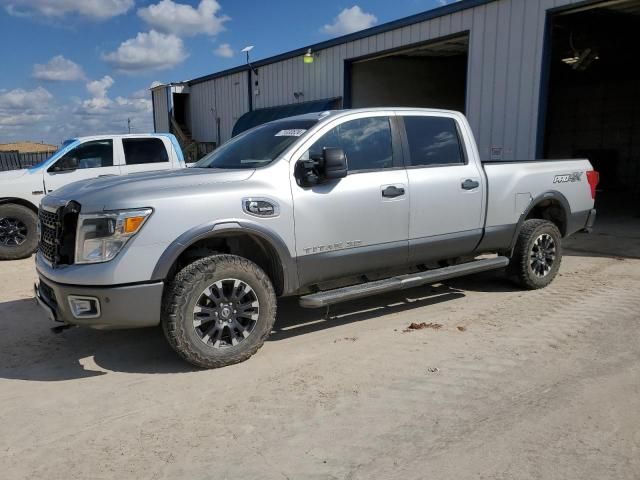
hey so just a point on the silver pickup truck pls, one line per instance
(329, 207)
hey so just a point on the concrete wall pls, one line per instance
(502, 93)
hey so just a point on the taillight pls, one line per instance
(593, 178)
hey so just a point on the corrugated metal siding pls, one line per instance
(225, 98)
(505, 58)
(160, 110)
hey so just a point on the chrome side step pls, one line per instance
(400, 282)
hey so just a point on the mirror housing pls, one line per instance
(335, 163)
(330, 165)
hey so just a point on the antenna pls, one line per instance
(246, 50)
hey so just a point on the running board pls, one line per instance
(401, 282)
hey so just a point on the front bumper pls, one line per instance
(120, 306)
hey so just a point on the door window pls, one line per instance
(139, 151)
(433, 141)
(366, 143)
(96, 154)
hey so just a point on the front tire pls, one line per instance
(537, 255)
(218, 311)
(18, 232)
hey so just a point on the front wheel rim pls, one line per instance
(226, 313)
(13, 232)
(543, 255)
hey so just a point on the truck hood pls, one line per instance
(139, 189)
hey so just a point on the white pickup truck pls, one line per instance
(79, 159)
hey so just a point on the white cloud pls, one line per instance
(148, 51)
(155, 83)
(58, 69)
(181, 19)
(20, 99)
(224, 50)
(20, 119)
(22, 109)
(98, 90)
(350, 20)
(36, 115)
(94, 9)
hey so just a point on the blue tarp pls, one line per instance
(264, 115)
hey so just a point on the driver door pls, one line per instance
(359, 223)
(91, 159)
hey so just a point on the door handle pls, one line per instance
(469, 184)
(392, 192)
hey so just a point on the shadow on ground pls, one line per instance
(616, 233)
(29, 350)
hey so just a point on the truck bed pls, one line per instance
(514, 185)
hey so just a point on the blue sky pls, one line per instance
(78, 67)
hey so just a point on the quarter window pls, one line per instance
(366, 143)
(433, 141)
(95, 154)
(139, 151)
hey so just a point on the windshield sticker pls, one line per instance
(294, 132)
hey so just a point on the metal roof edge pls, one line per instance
(448, 9)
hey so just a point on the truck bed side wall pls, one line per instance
(515, 187)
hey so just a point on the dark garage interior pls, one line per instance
(593, 105)
(427, 75)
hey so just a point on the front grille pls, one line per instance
(49, 227)
(58, 234)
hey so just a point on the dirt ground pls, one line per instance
(514, 385)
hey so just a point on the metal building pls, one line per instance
(535, 78)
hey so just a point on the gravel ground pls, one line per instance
(526, 385)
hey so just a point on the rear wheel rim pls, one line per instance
(13, 232)
(543, 255)
(226, 313)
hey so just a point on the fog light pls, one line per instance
(84, 307)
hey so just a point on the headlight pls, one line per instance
(101, 236)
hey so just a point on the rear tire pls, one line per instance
(218, 311)
(18, 231)
(537, 255)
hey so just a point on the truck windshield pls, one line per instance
(256, 147)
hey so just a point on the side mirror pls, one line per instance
(331, 164)
(335, 163)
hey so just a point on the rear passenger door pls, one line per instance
(446, 189)
(144, 155)
(358, 223)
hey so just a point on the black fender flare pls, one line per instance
(19, 201)
(548, 195)
(220, 229)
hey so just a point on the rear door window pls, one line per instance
(140, 151)
(433, 141)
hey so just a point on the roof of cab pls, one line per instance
(122, 135)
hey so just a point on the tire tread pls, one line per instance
(179, 291)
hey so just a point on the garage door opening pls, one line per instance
(429, 75)
(593, 107)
